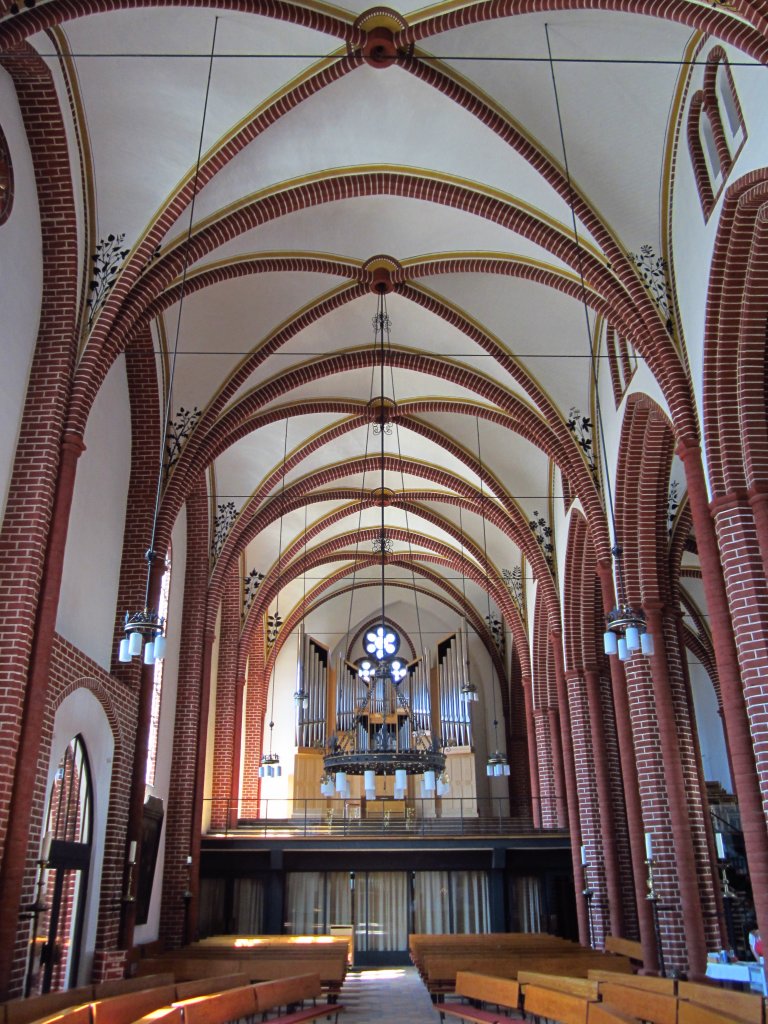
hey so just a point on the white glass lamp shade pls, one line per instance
(262, 771)
(623, 649)
(489, 769)
(149, 653)
(369, 784)
(124, 653)
(341, 782)
(633, 638)
(134, 643)
(610, 644)
(401, 779)
(370, 794)
(505, 769)
(429, 782)
(159, 647)
(646, 644)
(278, 770)
(442, 787)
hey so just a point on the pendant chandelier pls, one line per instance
(385, 740)
(626, 631)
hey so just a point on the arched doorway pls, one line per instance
(68, 834)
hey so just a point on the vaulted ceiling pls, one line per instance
(269, 164)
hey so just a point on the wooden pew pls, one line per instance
(286, 993)
(696, 1013)
(560, 983)
(503, 993)
(332, 971)
(106, 989)
(207, 986)
(624, 947)
(654, 1007)
(599, 1013)
(562, 1007)
(127, 1008)
(646, 982)
(746, 1007)
(440, 972)
(220, 1007)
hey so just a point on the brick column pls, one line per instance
(606, 839)
(744, 707)
(226, 722)
(569, 772)
(533, 769)
(681, 873)
(26, 764)
(545, 769)
(590, 828)
(630, 770)
(182, 830)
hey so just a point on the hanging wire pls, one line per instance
(497, 759)
(616, 547)
(272, 762)
(148, 623)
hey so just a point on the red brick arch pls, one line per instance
(454, 599)
(734, 343)
(721, 24)
(334, 550)
(634, 307)
(236, 423)
(505, 516)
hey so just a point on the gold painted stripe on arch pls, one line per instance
(68, 67)
(360, 170)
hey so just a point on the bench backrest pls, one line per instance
(575, 986)
(655, 1007)
(599, 1013)
(285, 991)
(71, 1015)
(488, 989)
(221, 1007)
(695, 1013)
(128, 1008)
(625, 947)
(21, 1011)
(207, 986)
(105, 989)
(668, 986)
(559, 1006)
(744, 1006)
(166, 1015)
(444, 968)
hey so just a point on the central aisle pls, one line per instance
(386, 995)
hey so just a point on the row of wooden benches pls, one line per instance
(206, 1001)
(601, 998)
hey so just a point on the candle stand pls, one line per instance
(34, 911)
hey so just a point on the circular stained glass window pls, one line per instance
(6, 180)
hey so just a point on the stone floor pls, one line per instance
(387, 995)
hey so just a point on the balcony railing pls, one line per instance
(458, 816)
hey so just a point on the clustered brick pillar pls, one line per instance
(255, 712)
(545, 768)
(183, 820)
(747, 590)
(227, 724)
(533, 760)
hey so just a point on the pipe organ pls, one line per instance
(311, 721)
(455, 724)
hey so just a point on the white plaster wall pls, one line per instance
(691, 239)
(709, 726)
(86, 615)
(21, 260)
(81, 712)
(150, 931)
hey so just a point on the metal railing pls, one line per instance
(458, 816)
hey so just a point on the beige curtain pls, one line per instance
(431, 912)
(304, 902)
(383, 916)
(212, 906)
(526, 900)
(469, 899)
(249, 906)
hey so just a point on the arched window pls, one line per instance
(157, 692)
(622, 361)
(716, 129)
(65, 862)
(6, 180)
